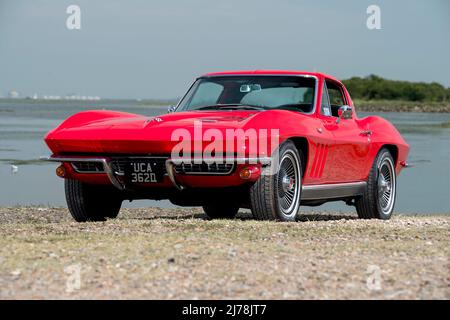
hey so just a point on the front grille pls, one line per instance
(204, 168)
(88, 167)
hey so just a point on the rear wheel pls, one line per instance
(276, 194)
(379, 197)
(89, 202)
(215, 211)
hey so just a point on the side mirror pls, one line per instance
(345, 112)
(171, 109)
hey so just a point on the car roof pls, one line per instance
(269, 72)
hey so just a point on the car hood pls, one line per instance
(118, 132)
(182, 119)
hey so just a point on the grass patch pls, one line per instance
(178, 254)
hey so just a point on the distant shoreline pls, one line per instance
(401, 106)
(105, 101)
(360, 105)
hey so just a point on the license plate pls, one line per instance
(143, 171)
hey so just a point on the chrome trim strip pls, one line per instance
(333, 190)
(185, 94)
(171, 172)
(112, 176)
(72, 159)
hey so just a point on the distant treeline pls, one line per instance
(376, 88)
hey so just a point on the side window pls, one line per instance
(325, 107)
(335, 94)
(336, 98)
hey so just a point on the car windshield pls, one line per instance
(250, 92)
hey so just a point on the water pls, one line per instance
(421, 189)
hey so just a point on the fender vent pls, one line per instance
(320, 158)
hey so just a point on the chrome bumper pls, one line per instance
(105, 161)
(170, 165)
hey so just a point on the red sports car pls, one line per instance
(269, 141)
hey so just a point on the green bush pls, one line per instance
(374, 87)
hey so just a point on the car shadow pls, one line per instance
(245, 216)
(304, 217)
(326, 217)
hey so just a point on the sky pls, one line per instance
(155, 49)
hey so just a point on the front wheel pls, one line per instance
(379, 197)
(276, 194)
(88, 202)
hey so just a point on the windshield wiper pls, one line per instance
(231, 106)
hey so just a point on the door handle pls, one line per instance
(366, 133)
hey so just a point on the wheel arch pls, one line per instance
(301, 143)
(393, 149)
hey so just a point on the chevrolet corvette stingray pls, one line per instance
(269, 141)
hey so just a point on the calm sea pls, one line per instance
(421, 189)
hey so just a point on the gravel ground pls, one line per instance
(178, 254)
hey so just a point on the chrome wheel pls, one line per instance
(386, 186)
(289, 183)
